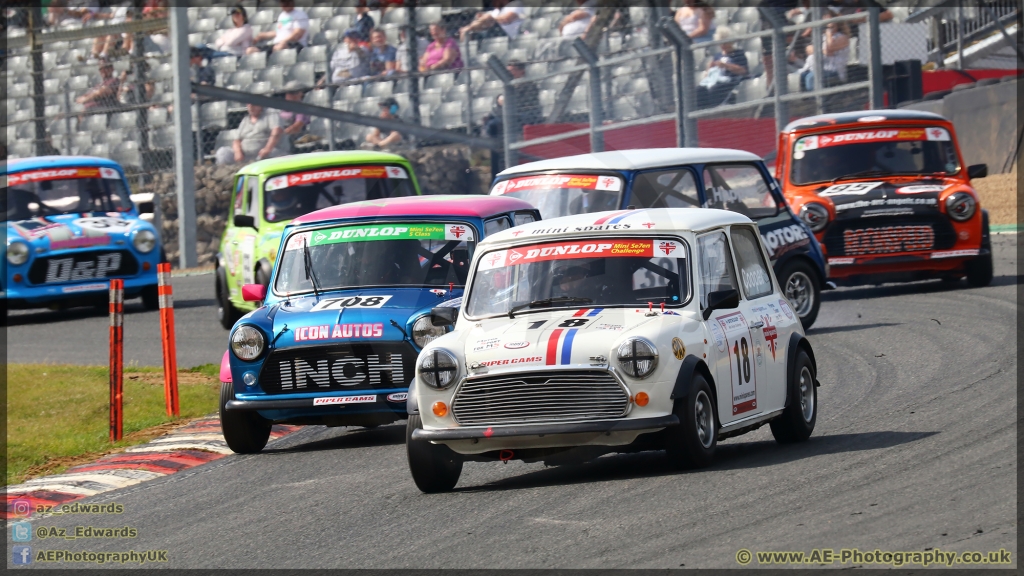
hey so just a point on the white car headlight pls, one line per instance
(815, 216)
(17, 253)
(247, 343)
(637, 357)
(961, 206)
(144, 241)
(424, 332)
(438, 368)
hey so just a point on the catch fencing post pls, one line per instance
(167, 336)
(510, 125)
(779, 53)
(686, 128)
(116, 358)
(875, 65)
(596, 113)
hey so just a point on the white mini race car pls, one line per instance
(611, 332)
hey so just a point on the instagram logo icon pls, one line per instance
(21, 507)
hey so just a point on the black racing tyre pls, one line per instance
(979, 271)
(797, 421)
(227, 314)
(244, 432)
(692, 443)
(150, 298)
(435, 467)
(802, 286)
(262, 275)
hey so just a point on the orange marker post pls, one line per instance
(167, 336)
(116, 358)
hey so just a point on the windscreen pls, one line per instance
(382, 254)
(564, 194)
(292, 195)
(36, 193)
(593, 273)
(880, 152)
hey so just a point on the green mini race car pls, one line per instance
(268, 194)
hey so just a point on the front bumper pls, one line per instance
(841, 267)
(35, 294)
(538, 430)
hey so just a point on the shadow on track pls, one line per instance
(853, 328)
(350, 438)
(133, 306)
(922, 287)
(730, 456)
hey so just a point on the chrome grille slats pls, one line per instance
(534, 397)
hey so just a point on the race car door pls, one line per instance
(729, 358)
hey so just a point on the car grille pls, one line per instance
(872, 236)
(83, 266)
(338, 367)
(562, 396)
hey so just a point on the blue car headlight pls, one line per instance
(247, 343)
(144, 241)
(17, 253)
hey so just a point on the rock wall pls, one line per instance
(439, 170)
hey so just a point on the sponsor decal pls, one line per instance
(782, 240)
(299, 374)
(612, 327)
(81, 242)
(954, 253)
(739, 346)
(580, 249)
(894, 202)
(398, 397)
(84, 288)
(374, 232)
(486, 344)
(326, 332)
(863, 136)
(613, 218)
(51, 174)
(506, 361)
(332, 174)
(923, 188)
(871, 119)
(516, 345)
(771, 334)
(104, 224)
(350, 302)
(760, 354)
(678, 349)
(453, 303)
(335, 400)
(786, 309)
(841, 261)
(888, 240)
(109, 174)
(70, 270)
(937, 134)
(850, 189)
(558, 182)
(718, 336)
(560, 338)
(438, 292)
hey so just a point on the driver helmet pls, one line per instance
(280, 202)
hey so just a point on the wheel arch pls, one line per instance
(798, 342)
(694, 365)
(788, 259)
(264, 264)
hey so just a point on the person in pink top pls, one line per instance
(441, 54)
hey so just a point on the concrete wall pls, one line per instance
(986, 121)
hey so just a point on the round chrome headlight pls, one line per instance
(17, 253)
(247, 343)
(961, 206)
(815, 216)
(423, 332)
(438, 368)
(144, 241)
(637, 357)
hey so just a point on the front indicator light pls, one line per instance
(641, 399)
(440, 409)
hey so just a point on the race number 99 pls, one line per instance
(351, 302)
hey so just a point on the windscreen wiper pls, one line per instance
(307, 260)
(548, 302)
(862, 173)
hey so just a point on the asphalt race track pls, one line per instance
(915, 448)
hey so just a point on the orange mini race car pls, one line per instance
(887, 195)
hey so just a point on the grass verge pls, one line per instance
(58, 416)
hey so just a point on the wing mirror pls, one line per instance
(977, 171)
(254, 292)
(721, 300)
(244, 221)
(443, 316)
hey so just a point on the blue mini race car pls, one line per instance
(348, 309)
(71, 227)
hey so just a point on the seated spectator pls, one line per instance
(835, 50)
(199, 73)
(259, 137)
(349, 59)
(528, 109)
(377, 138)
(158, 40)
(64, 12)
(696, 19)
(364, 23)
(105, 46)
(576, 22)
(103, 94)
(504, 20)
(294, 123)
(403, 61)
(382, 57)
(292, 31)
(441, 54)
(724, 72)
(238, 39)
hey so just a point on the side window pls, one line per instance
(739, 188)
(496, 225)
(252, 202)
(674, 188)
(754, 276)
(239, 193)
(524, 218)
(716, 270)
